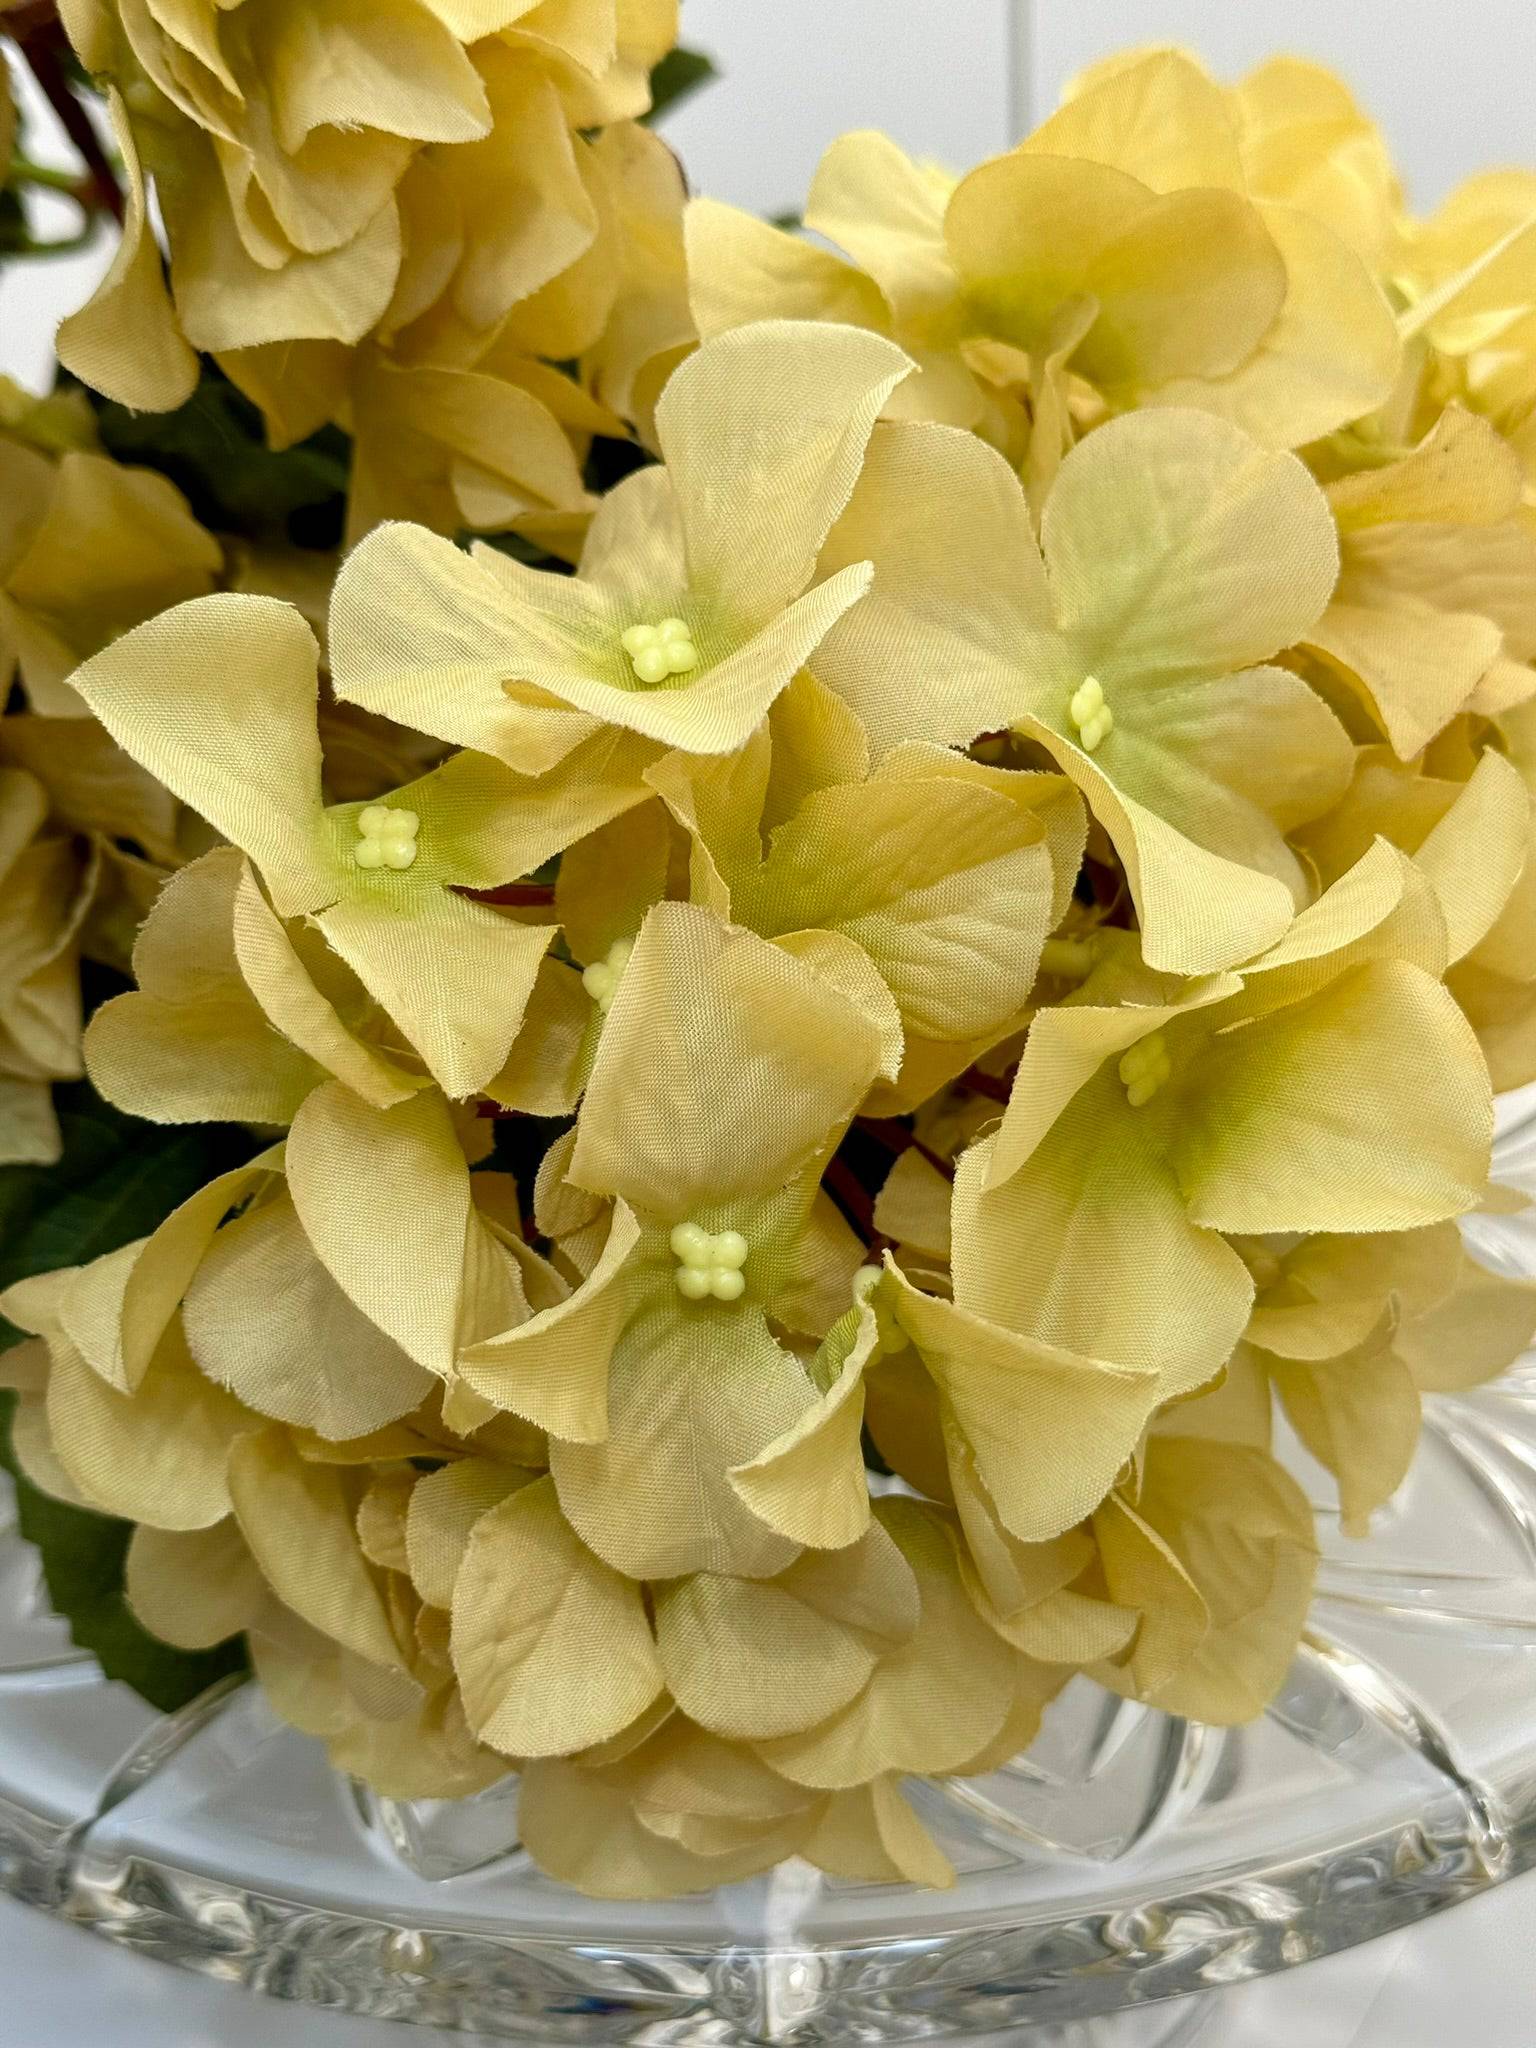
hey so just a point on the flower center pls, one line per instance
(386, 838)
(656, 652)
(601, 980)
(1090, 715)
(1145, 1068)
(709, 1262)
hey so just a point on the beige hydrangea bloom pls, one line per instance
(661, 1373)
(392, 219)
(1140, 247)
(827, 1076)
(384, 881)
(1133, 643)
(696, 599)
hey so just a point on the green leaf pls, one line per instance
(214, 450)
(117, 1179)
(676, 78)
(83, 1559)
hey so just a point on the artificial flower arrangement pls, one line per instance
(742, 1096)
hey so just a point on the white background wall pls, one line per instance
(1453, 80)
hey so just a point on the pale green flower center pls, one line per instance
(601, 980)
(709, 1262)
(386, 837)
(1145, 1069)
(656, 652)
(1090, 715)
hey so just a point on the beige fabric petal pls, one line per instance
(444, 1509)
(810, 1484)
(759, 1065)
(932, 1701)
(298, 1520)
(381, 1193)
(265, 1319)
(194, 1588)
(157, 1455)
(553, 1369)
(1050, 1430)
(126, 341)
(553, 1650)
(695, 1390)
(772, 415)
(455, 975)
(1310, 1133)
(217, 698)
(752, 1659)
(741, 269)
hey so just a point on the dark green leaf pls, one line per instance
(83, 1557)
(214, 450)
(117, 1179)
(676, 78)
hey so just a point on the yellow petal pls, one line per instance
(194, 1589)
(552, 1649)
(445, 1507)
(242, 751)
(315, 1362)
(1329, 358)
(871, 1834)
(1242, 1529)
(1309, 1137)
(1098, 1196)
(810, 1484)
(831, 1616)
(1050, 1430)
(690, 1400)
(157, 1455)
(553, 1369)
(1358, 1414)
(274, 969)
(1157, 113)
(454, 974)
(932, 1701)
(126, 342)
(340, 1152)
(888, 212)
(713, 1022)
(741, 269)
(298, 1520)
(778, 416)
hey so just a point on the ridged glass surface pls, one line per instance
(1128, 1858)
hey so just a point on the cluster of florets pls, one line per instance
(959, 960)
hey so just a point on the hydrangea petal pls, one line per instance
(553, 1650)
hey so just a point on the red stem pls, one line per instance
(521, 895)
(985, 1084)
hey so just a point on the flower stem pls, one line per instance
(40, 37)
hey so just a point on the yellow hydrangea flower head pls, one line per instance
(816, 1085)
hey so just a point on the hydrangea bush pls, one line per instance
(794, 1049)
